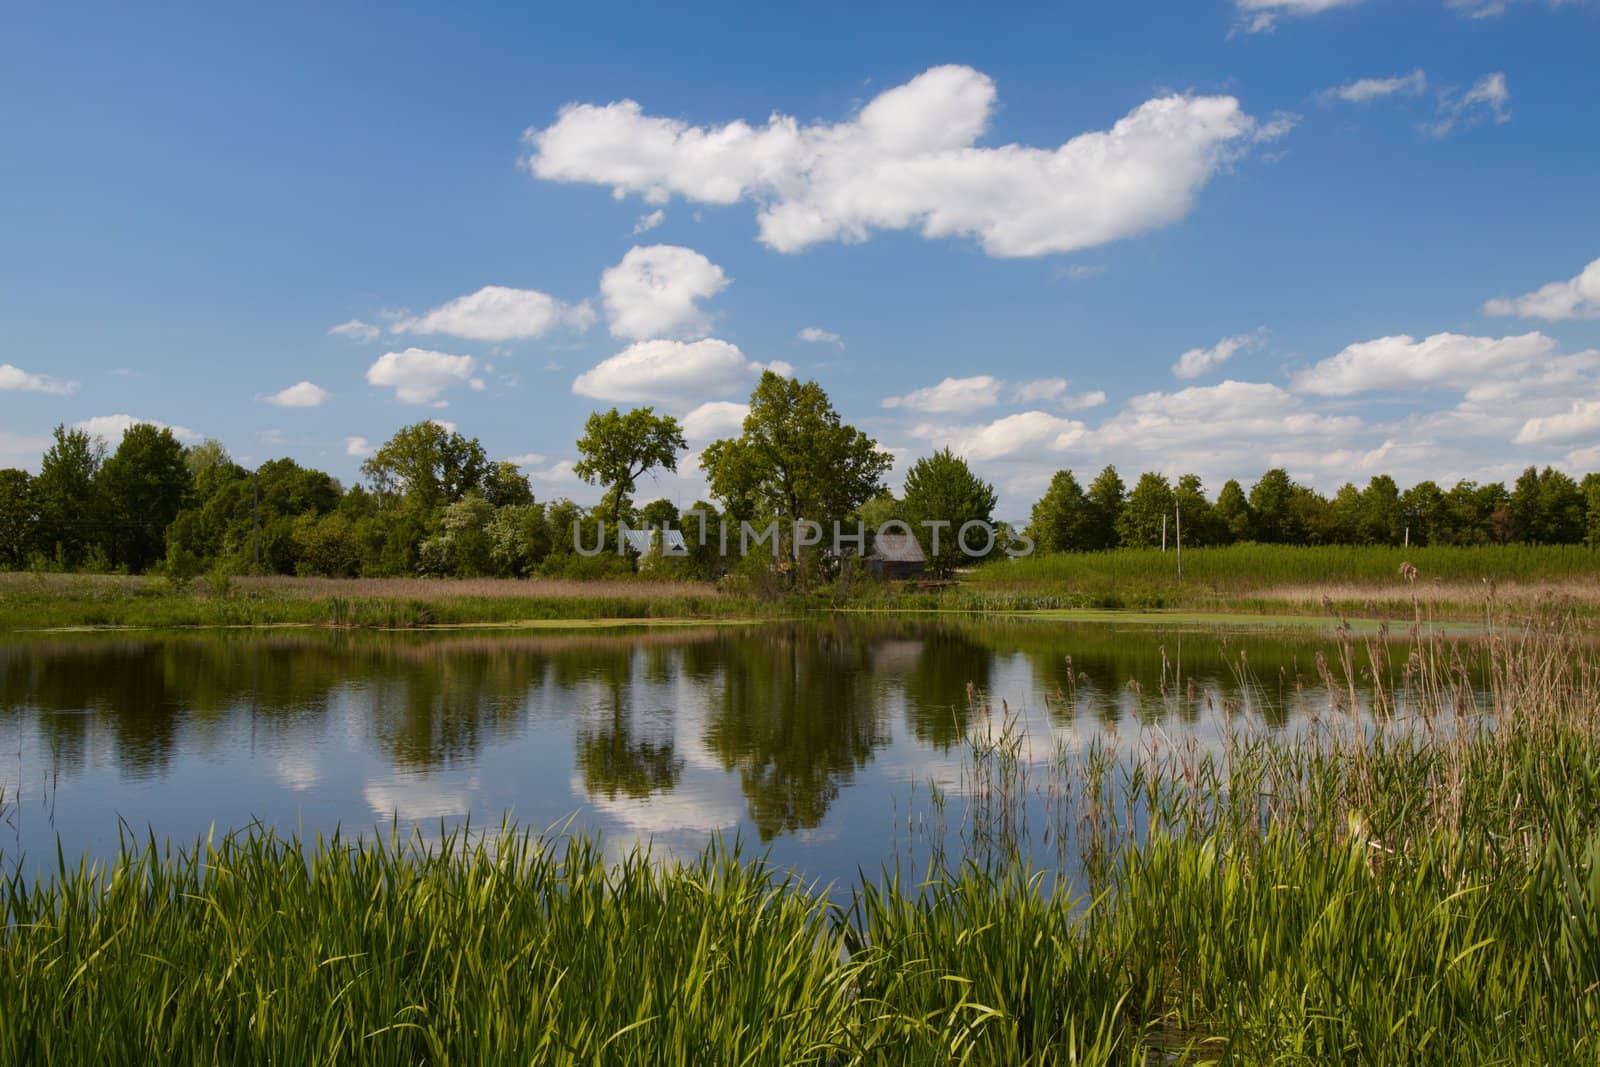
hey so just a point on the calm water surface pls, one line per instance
(808, 739)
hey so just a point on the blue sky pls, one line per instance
(1366, 223)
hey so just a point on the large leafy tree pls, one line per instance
(1107, 496)
(427, 465)
(942, 488)
(144, 485)
(1061, 520)
(1232, 512)
(1272, 504)
(616, 450)
(67, 496)
(1547, 508)
(1147, 513)
(19, 517)
(796, 459)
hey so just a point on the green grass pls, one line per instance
(1382, 890)
(1284, 578)
(56, 601)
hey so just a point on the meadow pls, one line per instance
(1385, 888)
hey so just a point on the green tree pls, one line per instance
(144, 485)
(1232, 512)
(616, 450)
(1106, 499)
(1424, 510)
(19, 517)
(1271, 502)
(795, 459)
(1146, 513)
(1382, 517)
(1062, 520)
(941, 488)
(67, 496)
(1547, 508)
(427, 466)
(504, 485)
(1199, 520)
(1591, 502)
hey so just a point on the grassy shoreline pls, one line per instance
(1380, 890)
(1240, 581)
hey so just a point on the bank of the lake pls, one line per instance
(1420, 888)
(1322, 583)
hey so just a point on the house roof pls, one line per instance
(897, 548)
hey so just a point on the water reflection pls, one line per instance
(772, 729)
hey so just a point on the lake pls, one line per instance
(816, 740)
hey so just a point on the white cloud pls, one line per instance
(1055, 389)
(908, 161)
(1258, 15)
(649, 371)
(816, 335)
(1198, 361)
(359, 447)
(497, 313)
(713, 419)
(1444, 360)
(17, 380)
(419, 376)
(20, 451)
(1481, 9)
(1489, 97)
(110, 428)
(650, 221)
(1232, 412)
(300, 395)
(1365, 90)
(1581, 420)
(356, 330)
(1008, 436)
(527, 459)
(560, 472)
(653, 292)
(1575, 298)
(955, 396)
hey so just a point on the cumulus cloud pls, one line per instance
(1489, 98)
(300, 395)
(956, 396)
(110, 428)
(356, 330)
(497, 313)
(1011, 435)
(17, 380)
(713, 419)
(648, 371)
(1582, 419)
(816, 335)
(908, 160)
(1366, 90)
(1444, 360)
(649, 221)
(1055, 389)
(1198, 361)
(359, 447)
(1575, 298)
(1256, 16)
(654, 290)
(1230, 411)
(419, 376)
(1482, 9)
(527, 459)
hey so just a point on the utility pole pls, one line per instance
(1163, 531)
(1177, 509)
(255, 515)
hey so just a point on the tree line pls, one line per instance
(1543, 507)
(432, 503)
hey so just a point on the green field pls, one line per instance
(1428, 892)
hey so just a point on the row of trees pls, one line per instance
(433, 503)
(1543, 507)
